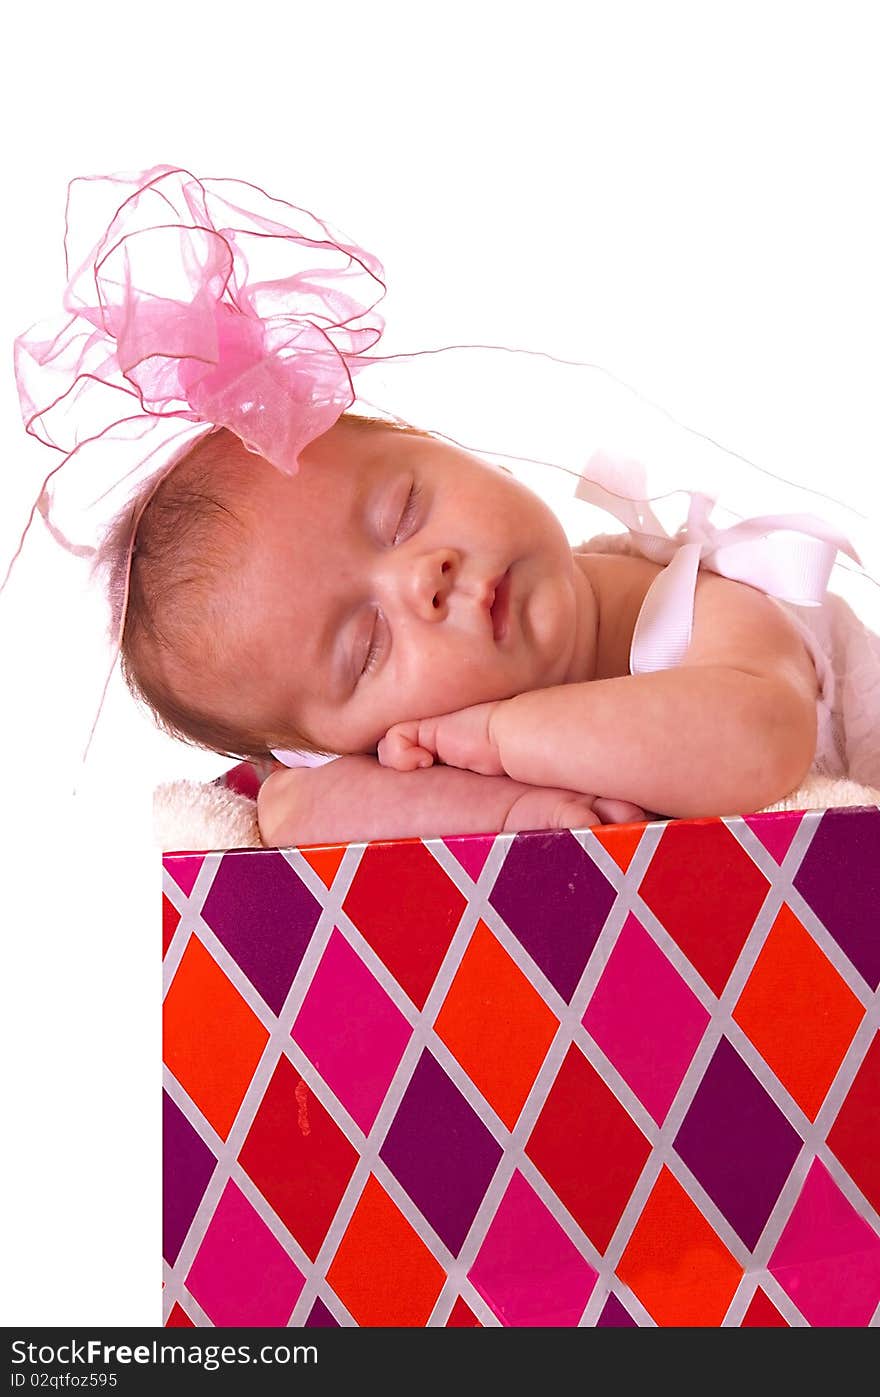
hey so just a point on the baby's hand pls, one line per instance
(619, 812)
(400, 747)
(461, 739)
(540, 807)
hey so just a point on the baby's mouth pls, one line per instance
(500, 607)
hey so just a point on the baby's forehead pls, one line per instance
(337, 475)
(298, 529)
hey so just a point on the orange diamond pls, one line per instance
(496, 1024)
(382, 1271)
(798, 1012)
(676, 1263)
(211, 1040)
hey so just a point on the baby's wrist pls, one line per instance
(497, 726)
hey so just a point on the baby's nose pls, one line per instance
(430, 582)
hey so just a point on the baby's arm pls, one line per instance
(354, 798)
(730, 730)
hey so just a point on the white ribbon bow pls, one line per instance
(788, 556)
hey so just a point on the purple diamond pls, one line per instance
(187, 1165)
(614, 1316)
(320, 1317)
(737, 1143)
(555, 901)
(264, 915)
(840, 879)
(441, 1153)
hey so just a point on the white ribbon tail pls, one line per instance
(607, 483)
(663, 631)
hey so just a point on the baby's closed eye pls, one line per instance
(374, 649)
(409, 515)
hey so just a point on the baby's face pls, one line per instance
(397, 577)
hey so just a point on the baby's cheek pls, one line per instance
(452, 673)
(468, 684)
(548, 620)
(427, 686)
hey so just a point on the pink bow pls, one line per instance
(189, 301)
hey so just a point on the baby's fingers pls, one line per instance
(574, 812)
(400, 750)
(618, 812)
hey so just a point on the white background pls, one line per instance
(686, 193)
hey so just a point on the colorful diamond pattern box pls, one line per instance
(618, 1077)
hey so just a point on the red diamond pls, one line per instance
(706, 891)
(298, 1157)
(406, 907)
(179, 1319)
(762, 1313)
(588, 1148)
(855, 1135)
(462, 1316)
(170, 919)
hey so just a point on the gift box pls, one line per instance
(622, 1076)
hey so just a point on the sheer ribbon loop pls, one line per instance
(192, 301)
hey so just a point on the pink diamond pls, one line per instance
(471, 850)
(241, 1274)
(775, 829)
(184, 869)
(527, 1269)
(828, 1258)
(352, 1032)
(645, 1018)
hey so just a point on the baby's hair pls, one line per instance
(187, 536)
